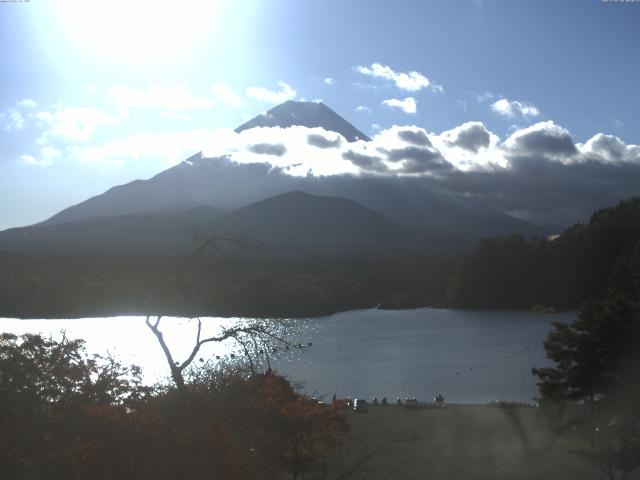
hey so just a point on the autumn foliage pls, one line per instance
(66, 415)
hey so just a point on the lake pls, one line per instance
(468, 356)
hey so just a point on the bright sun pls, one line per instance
(138, 31)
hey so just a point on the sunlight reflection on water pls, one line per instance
(469, 356)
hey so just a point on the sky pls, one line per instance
(96, 94)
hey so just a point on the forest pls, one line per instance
(503, 272)
(70, 286)
(515, 272)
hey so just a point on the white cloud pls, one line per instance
(16, 120)
(407, 105)
(609, 149)
(50, 153)
(170, 98)
(168, 147)
(226, 95)
(362, 108)
(410, 81)
(31, 160)
(75, 123)
(329, 81)
(44, 116)
(265, 95)
(513, 108)
(27, 103)
(183, 117)
(483, 97)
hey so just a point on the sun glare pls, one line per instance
(141, 31)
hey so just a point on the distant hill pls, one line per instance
(150, 233)
(290, 223)
(513, 272)
(298, 221)
(308, 114)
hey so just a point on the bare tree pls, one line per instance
(257, 338)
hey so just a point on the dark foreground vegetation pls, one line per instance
(514, 272)
(592, 394)
(503, 272)
(68, 286)
(65, 414)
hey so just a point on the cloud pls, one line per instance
(415, 137)
(513, 108)
(544, 139)
(183, 117)
(329, 81)
(483, 97)
(277, 149)
(321, 141)
(410, 81)
(170, 98)
(168, 148)
(362, 108)
(50, 153)
(470, 136)
(16, 120)
(372, 163)
(418, 159)
(75, 123)
(226, 95)
(407, 105)
(31, 160)
(27, 103)
(269, 96)
(609, 149)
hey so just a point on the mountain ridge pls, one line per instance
(308, 114)
(224, 184)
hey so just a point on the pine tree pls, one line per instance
(595, 385)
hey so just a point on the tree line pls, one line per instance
(515, 272)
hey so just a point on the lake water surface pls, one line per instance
(468, 356)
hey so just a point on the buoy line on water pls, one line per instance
(499, 360)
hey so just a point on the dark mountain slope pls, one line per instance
(220, 182)
(172, 232)
(300, 221)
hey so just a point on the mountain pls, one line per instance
(308, 114)
(224, 184)
(122, 233)
(290, 223)
(298, 221)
